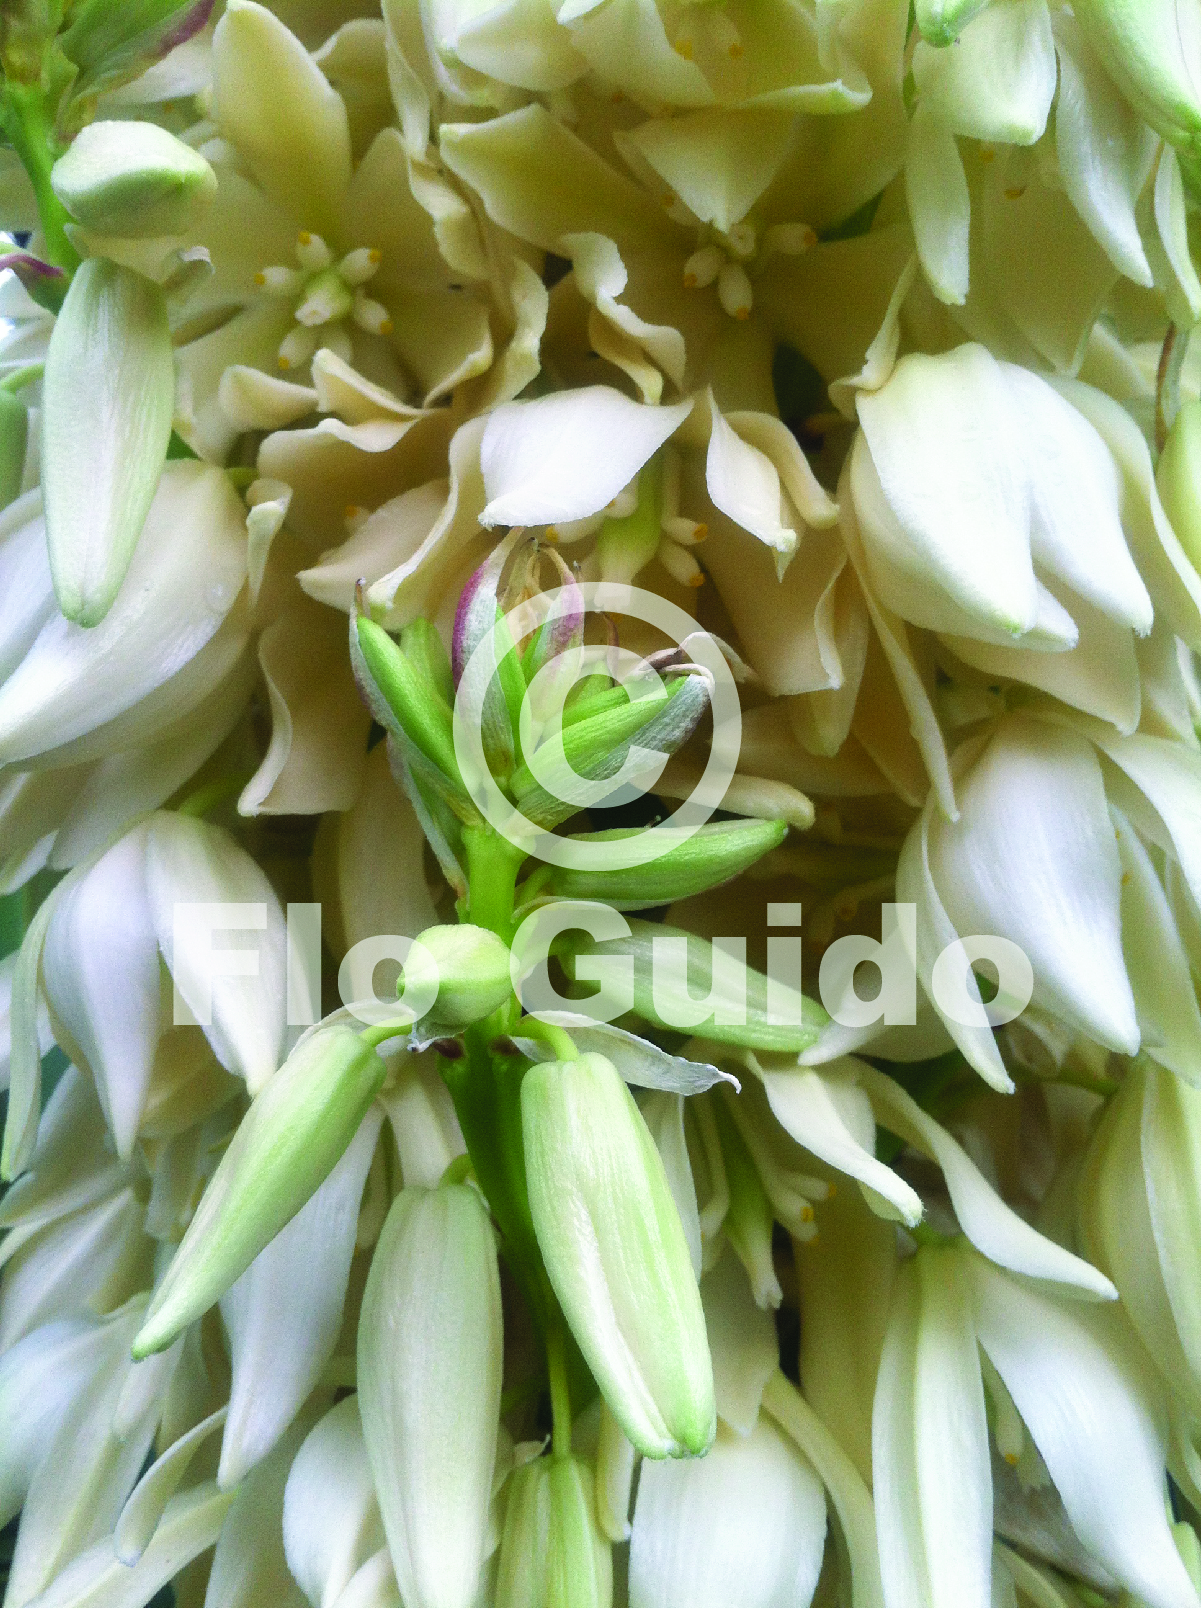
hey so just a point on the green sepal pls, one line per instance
(714, 854)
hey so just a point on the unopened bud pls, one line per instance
(552, 1551)
(471, 968)
(713, 854)
(296, 1129)
(108, 401)
(1144, 49)
(133, 179)
(616, 1253)
(403, 697)
(429, 1376)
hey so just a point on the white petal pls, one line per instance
(1033, 860)
(663, 1114)
(1075, 1381)
(940, 206)
(993, 1227)
(743, 483)
(190, 862)
(541, 460)
(144, 1509)
(186, 572)
(1165, 1002)
(1166, 774)
(100, 968)
(743, 1344)
(284, 1313)
(249, 1564)
(332, 1524)
(998, 80)
(746, 1524)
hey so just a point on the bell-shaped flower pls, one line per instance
(163, 892)
(1138, 1215)
(296, 1130)
(430, 1357)
(284, 1314)
(1038, 812)
(1071, 1378)
(552, 1548)
(616, 1253)
(174, 632)
(1017, 588)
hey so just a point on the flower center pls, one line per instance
(725, 260)
(325, 295)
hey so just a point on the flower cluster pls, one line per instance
(496, 497)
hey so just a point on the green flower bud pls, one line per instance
(108, 400)
(552, 1550)
(296, 1129)
(616, 1253)
(132, 179)
(596, 745)
(1142, 47)
(1177, 479)
(429, 1376)
(471, 968)
(714, 854)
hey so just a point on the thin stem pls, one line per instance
(379, 1033)
(492, 872)
(559, 1039)
(561, 1401)
(25, 119)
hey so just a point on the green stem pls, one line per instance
(561, 1400)
(492, 873)
(559, 1039)
(25, 119)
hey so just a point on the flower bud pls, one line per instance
(1177, 479)
(1142, 46)
(616, 1253)
(132, 179)
(471, 969)
(113, 44)
(429, 1373)
(552, 1551)
(403, 697)
(712, 855)
(109, 396)
(295, 1131)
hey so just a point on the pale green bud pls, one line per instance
(616, 1253)
(133, 179)
(552, 1550)
(713, 854)
(296, 1129)
(1143, 48)
(429, 1376)
(471, 968)
(1177, 479)
(108, 400)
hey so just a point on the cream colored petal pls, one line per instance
(314, 761)
(998, 81)
(443, 337)
(520, 43)
(342, 390)
(626, 44)
(252, 400)
(601, 278)
(937, 194)
(275, 105)
(719, 163)
(251, 337)
(384, 540)
(332, 1524)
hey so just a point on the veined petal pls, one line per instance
(994, 1228)
(746, 1524)
(275, 105)
(1076, 1382)
(332, 1523)
(283, 1314)
(100, 969)
(540, 460)
(190, 863)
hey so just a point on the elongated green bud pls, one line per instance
(429, 1374)
(402, 697)
(471, 968)
(714, 854)
(109, 395)
(1177, 479)
(552, 1550)
(133, 179)
(616, 1253)
(1143, 49)
(297, 1127)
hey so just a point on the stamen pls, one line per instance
(734, 290)
(685, 531)
(297, 347)
(790, 239)
(358, 266)
(680, 564)
(312, 252)
(703, 267)
(371, 316)
(280, 281)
